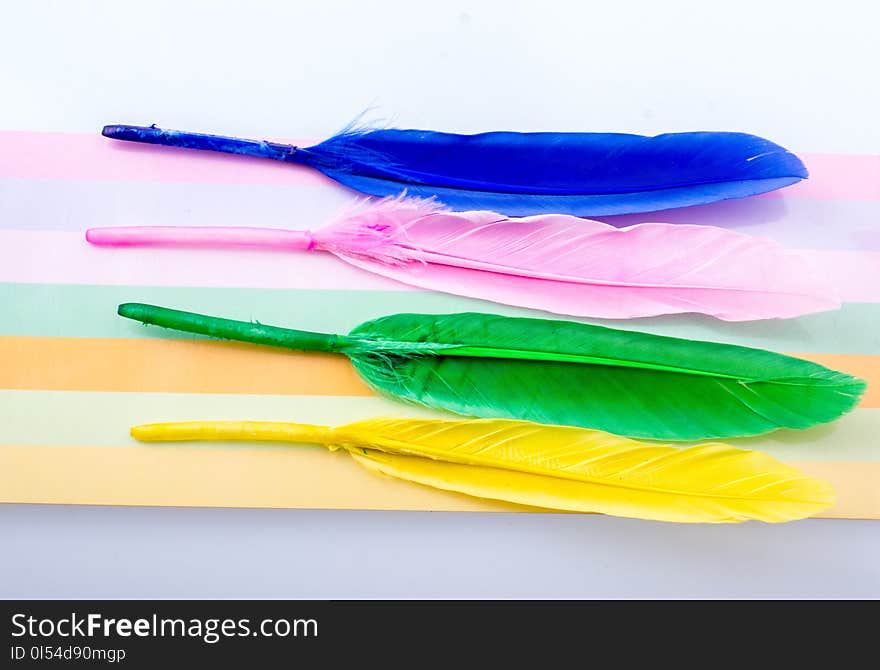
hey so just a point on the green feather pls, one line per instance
(559, 372)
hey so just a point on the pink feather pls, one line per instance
(555, 262)
(579, 267)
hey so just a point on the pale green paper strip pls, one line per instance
(90, 311)
(70, 418)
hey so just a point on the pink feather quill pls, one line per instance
(556, 263)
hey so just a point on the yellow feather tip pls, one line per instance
(552, 467)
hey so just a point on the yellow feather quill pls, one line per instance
(555, 467)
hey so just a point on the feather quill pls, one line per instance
(559, 372)
(552, 467)
(520, 174)
(552, 262)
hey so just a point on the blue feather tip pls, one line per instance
(520, 174)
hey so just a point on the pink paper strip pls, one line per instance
(855, 273)
(837, 177)
(51, 257)
(48, 257)
(45, 155)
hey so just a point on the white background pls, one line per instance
(802, 73)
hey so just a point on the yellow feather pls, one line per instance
(553, 467)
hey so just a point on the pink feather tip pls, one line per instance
(556, 263)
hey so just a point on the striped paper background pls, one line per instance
(74, 376)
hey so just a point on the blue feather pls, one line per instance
(518, 174)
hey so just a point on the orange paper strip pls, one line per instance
(205, 366)
(282, 476)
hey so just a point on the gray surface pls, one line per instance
(93, 552)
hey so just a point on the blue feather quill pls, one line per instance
(521, 174)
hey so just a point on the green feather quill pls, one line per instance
(560, 372)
